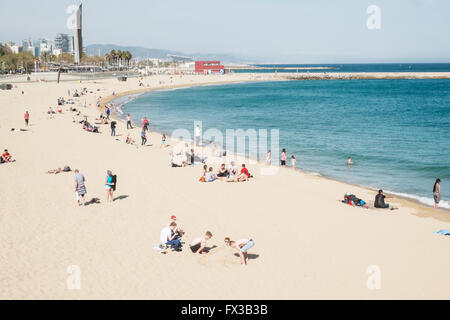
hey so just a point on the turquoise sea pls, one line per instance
(396, 131)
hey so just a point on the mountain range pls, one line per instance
(146, 53)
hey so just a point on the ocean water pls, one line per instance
(396, 131)
(355, 67)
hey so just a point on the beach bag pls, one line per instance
(114, 180)
(202, 179)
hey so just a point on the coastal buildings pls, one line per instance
(63, 43)
(209, 67)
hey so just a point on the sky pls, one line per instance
(285, 31)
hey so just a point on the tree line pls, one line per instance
(13, 62)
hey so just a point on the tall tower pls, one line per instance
(78, 39)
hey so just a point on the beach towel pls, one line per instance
(444, 232)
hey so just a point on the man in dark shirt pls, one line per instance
(379, 200)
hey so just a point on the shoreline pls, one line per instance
(413, 199)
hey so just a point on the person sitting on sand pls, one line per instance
(223, 172)
(129, 140)
(244, 175)
(178, 229)
(232, 171)
(210, 175)
(198, 244)
(50, 111)
(6, 157)
(169, 237)
(379, 200)
(242, 246)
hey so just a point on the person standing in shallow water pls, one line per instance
(437, 192)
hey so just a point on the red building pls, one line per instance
(209, 67)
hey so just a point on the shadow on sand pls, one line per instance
(92, 201)
(121, 197)
(251, 256)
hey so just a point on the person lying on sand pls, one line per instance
(198, 244)
(242, 246)
(54, 171)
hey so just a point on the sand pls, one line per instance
(308, 244)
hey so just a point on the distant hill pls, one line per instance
(143, 53)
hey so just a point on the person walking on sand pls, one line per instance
(80, 187)
(143, 137)
(113, 128)
(129, 126)
(109, 184)
(163, 140)
(283, 158)
(437, 192)
(26, 117)
(108, 112)
(198, 244)
(242, 246)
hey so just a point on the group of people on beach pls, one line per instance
(171, 237)
(228, 174)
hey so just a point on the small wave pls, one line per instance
(423, 200)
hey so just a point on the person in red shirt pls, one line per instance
(26, 117)
(6, 156)
(244, 174)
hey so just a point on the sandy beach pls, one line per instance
(309, 245)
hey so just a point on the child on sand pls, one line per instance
(163, 140)
(198, 244)
(242, 246)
